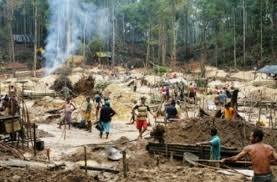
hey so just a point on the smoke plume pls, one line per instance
(71, 22)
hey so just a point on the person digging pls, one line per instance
(261, 156)
(141, 111)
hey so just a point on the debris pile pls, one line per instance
(143, 167)
(85, 86)
(233, 134)
(45, 175)
(61, 82)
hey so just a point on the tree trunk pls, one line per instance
(84, 38)
(113, 48)
(272, 29)
(174, 37)
(261, 33)
(148, 46)
(163, 51)
(35, 38)
(234, 39)
(216, 54)
(10, 20)
(244, 27)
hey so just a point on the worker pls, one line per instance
(261, 156)
(135, 85)
(192, 92)
(222, 97)
(171, 111)
(107, 100)
(215, 145)
(229, 112)
(133, 117)
(178, 107)
(66, 92)
(98, 105)
(86, 110)
(141, 114)
(12, 91)
(68, 108)
(106, 114)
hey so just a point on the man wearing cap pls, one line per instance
(141, 110)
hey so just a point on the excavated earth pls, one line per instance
(232, 133)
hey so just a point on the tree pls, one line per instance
(35, 38)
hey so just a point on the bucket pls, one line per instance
(40, 145)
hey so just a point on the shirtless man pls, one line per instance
(261, 156)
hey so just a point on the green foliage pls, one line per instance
(201, 83)
(96, 45)
(201, 24)
(161, 69)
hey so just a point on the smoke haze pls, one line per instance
(72, 21)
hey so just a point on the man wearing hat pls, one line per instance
(141, 112)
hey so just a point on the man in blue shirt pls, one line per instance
(171, 111)
(215, 145)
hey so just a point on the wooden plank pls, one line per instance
(218, 161)
(102, 169)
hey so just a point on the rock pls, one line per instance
(16, 178)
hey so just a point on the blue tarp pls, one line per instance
(269, 69)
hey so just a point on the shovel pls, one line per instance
(194, 161)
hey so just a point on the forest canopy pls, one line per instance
(224, 33)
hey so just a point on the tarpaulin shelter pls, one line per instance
(269, 69)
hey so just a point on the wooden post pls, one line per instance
(35, 139)
(48, 154)
(260, 111)
(158, 160)
(85, 153)
(166, 150)
(171, 156)
(124, 164)
(271, 117)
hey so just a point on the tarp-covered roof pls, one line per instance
(23, 38)
(269, 69)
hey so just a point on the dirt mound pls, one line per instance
(97, 154)
(166, 173)
(25, 175)
(85, 86)
(231, 133)
(122, 99)
(61, 82)
(143, 167)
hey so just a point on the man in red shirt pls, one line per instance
(142, 114)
